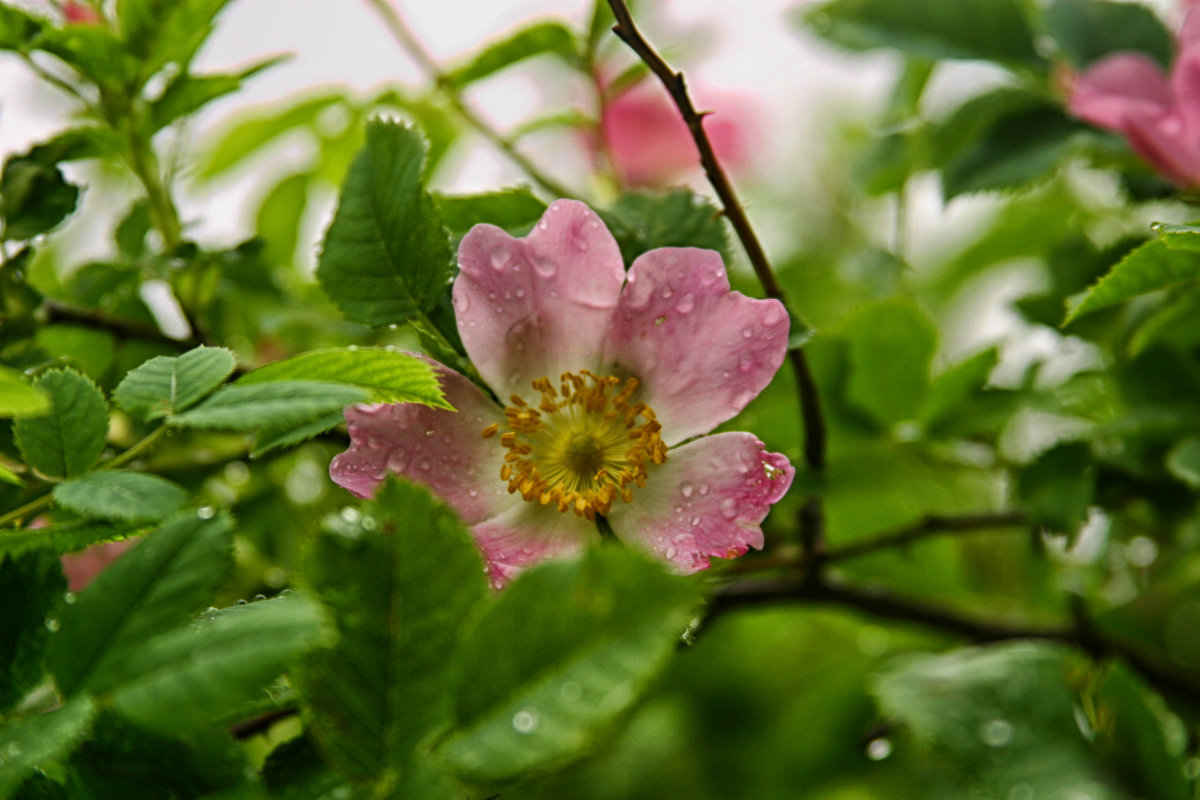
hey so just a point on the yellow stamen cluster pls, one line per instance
(582, 445)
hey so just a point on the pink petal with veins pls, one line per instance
(528, 534)
(443, 450)
(701, 351)
(538, 306)
(706, 502)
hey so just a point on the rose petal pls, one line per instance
(444, 450)
(1117, 86)
(81, 567)
(706, 502)
(537, 307)
(1185, 86)
(527, 534)
(1165, 141)
(700, 351)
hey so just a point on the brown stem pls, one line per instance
(881, 602)
(123, 328)
(811, 515)
(931, 525)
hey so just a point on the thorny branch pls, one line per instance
(812, 518)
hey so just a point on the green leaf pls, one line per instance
(167, 385)
(538, 39)
(154, 587)
(94, 51)
(120, 760)
(1088, 30)
(582, 661)
(270, 406)
(272, 438)
(955, 389)
(32, 586)
(1014, 149)
(386, 256)
(1057, 488)
(65, 537)
(69, 439)
(158, 32)
(247, 137)
(891, 347)
(1183, 461)
(39, 742)
(17, 28)
(187, 93)
(997, 717)
(90, 350)
(207, 673)
(1134, 736)
(1153, 266)
(18, 398)
(399, 582)
(992, 30)
(640, 222)
(389, 376)
(279, 218)
(511, 209)
(34, 197)
(295, 771)
(1179, 237)
(120, 495)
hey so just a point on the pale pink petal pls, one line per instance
(705, 502)
(443, 450)
(700, 351)
(1113, 88)
(1167, 143)
(1189, 29)
(1185, 86)
(538, 306)
(527, 534)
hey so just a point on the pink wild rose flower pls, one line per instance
(80, 14)
(608, 382)
(1158, 114)
(650, 144)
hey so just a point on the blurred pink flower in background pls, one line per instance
(1158, 114)
(81, 567)
(651, 146)
(80, 13)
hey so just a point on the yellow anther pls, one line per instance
(580, 447)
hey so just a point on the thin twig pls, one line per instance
(931, 525)
(123, 328)
(881, 602)
(417, 52)
(812, 523)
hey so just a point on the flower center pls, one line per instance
(583, 444)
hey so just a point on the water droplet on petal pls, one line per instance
(728, 508)
(462, 302)
(424, 465)
(430, 431)
(397, 460)
(525, 721)
(686, 488)
(671, 553)
(686, 304)
(747, 333)
(500, 258)
(773, 316)
(666, 293)
(703, 489)
(695, 521)
(520, 292)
